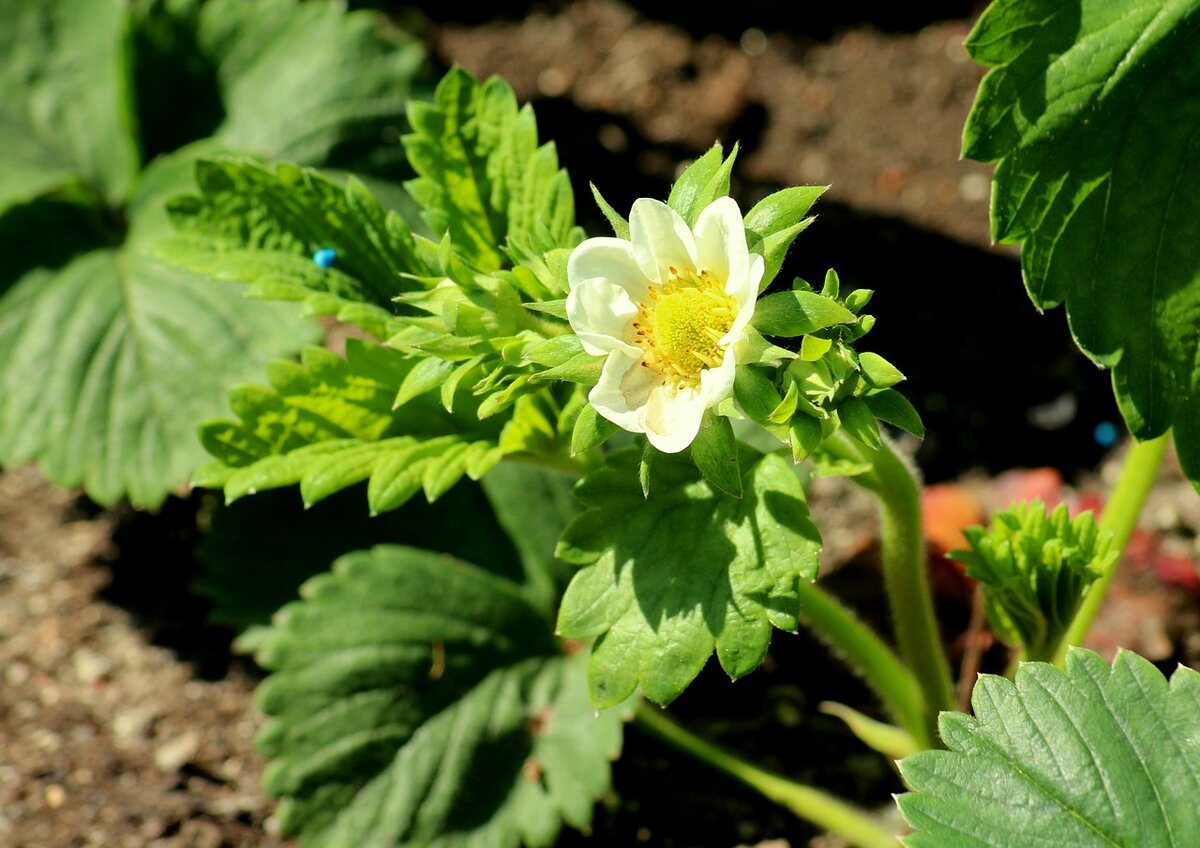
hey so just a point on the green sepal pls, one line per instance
(617, 221)
(715, 452)
(859, 422)
(797, 313)
(701, 183)
(590, 431)
(894, 408)
(773, 224)
(582, 368)
(806, 435)
(877, 371)
(555, 308)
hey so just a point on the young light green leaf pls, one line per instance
(482, 177)
(859, 422)
(590, 431)
(797, 313)
(894, 408)
(775, 221)
(1093, 756)
(66, 113)
(329, 423)
(396, 680)
(671, 577)
(1091, 113)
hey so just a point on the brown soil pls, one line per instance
(125, 722)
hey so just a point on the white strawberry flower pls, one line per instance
(670, 308)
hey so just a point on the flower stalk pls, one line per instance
(809, 803)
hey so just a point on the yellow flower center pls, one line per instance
(681, 324)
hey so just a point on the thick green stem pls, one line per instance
(862, 649)
(1120, 515)
(894, 482)
(822, 809)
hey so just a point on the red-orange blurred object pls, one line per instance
(947, 508)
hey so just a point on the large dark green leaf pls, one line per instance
(1093, 756)
(65, 116)
(421, 701)
(687, 569)
(1093, 114)
(107, 365)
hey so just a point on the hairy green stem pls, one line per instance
(862, 649)
(893, 481)
(1120, 515)
(822, 809)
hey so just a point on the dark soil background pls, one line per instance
(125, 720)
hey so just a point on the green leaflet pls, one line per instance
(328, 423)
(1092, 113)
(672, 576)
(418, 700)
(261, 225)
(136, 354)
(66, 113)
(1093, 756)
(133, 355)
(482, 177)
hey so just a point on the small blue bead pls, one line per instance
(325, 257)
(1105, 434)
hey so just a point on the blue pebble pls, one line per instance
(325, 257)
(1105, 434)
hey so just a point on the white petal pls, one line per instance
(673, 418)
(737, 330)
(599, 312)
(661, 239)
(716, 384)
(610, 259)
(721, 241)
(620, 394)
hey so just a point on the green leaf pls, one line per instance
(482, 177)
(1093, 756)
(329, 423)
(859, 422)
(65, 117)
(775, 221)
(701, 183)
(134, 355)
(590, 431)
(1092, 114)
(261, 225)
(419, 700)
(797, 313)
(258, 551)
(670, 577)
(305, 82)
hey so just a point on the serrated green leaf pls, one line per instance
(400, 679)
(329, 423)
(1093, 756)
(775, 221)
(797, 313)
(1092, 116)
(258, 224)
(134, 356)
(671, 577)
(258, 551)
(66, 114)
(482, 177)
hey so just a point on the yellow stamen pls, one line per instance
(680, 326)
